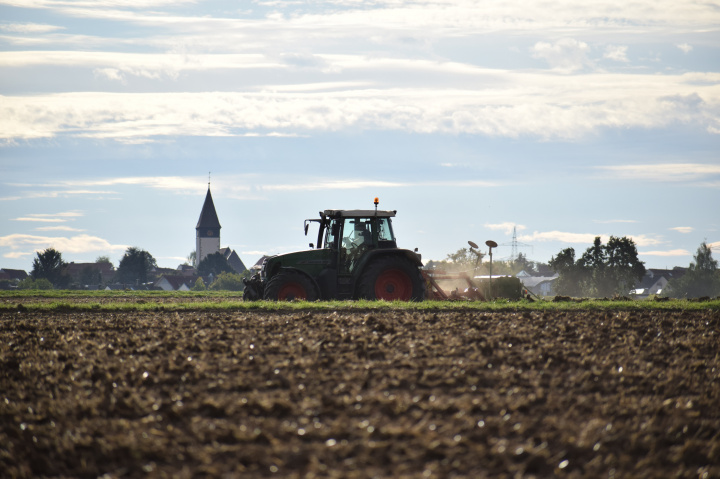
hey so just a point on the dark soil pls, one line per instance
(347, 394)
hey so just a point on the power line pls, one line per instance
(514, 245)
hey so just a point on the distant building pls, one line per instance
(13, 274)
(90, 273)
(175, 283)
(10, 278)
(187, 270)
(538, 285)
(655, 281)
(207, 231)
(233, 260)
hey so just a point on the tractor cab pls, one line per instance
(351, 233)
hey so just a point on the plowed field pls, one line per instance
(360, 394)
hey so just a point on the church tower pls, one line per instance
(207, 231)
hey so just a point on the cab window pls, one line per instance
(331, 233)
(356, 232)
(385, 232)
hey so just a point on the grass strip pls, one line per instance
(59, 301)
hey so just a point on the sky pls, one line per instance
(559, 120)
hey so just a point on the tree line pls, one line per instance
(606, 270)
(702, 278)
(603, 270)
(136, 268)
(614, 269)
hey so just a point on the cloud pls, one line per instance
(58, 228)
(33, 192)
(644, 240)
(507, 227)
(113, 65)
(50, 218)
(288, 21)
(528, 104)
(668, 172)
(177, 183)
(565, 55)
(563, 237)
(283, 88)
(617, 53)
(17, 254)
(41, 220)
(23, 244)
(110, 74)
(29, 28)
(683, 229)
(673, 252)
(685, 47)
(583, 238)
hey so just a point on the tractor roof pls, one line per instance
(358, 213)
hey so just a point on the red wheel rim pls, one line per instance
(290, 291)
(393, 284)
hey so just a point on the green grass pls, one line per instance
(66, 301)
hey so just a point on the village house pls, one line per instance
(90, 274)
(538, 285)
(655, 281)
(233, 260)
(175, 282)
(9, 278)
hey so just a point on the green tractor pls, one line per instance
(356, 257)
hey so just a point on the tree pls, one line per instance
(603, 270)
(571, 273)
(467, 260)
(624, 269)
(463, 257)
(199, 285)
(229, 281)
(135, 266)
(30, 283)
(103, 260)
(521, 263)
(191, 259)
(49, 265)
(702, 277)
(90, 275)
(214, 264)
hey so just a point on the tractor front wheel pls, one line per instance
(290, 285)
(253, 288)
(392, 278)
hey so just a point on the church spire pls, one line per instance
(208, 215)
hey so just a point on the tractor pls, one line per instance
(356, 257)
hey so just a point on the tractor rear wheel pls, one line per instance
(392, 278)
(290, 285)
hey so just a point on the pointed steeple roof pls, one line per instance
(208, 215)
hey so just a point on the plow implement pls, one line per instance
(457, 287)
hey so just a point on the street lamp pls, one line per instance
(491, 244)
